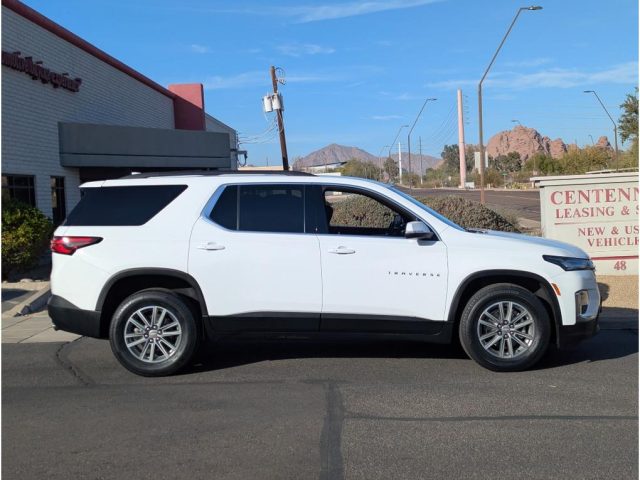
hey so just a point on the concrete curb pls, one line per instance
(34, 302)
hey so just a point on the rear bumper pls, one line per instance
(66, 316)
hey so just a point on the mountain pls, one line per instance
(427, 161)
(334, 153)
(526, 141)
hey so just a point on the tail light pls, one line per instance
(68, 245)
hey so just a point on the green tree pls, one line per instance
(540, 163)
(628, 123)
(581, 160)
(451, 156)
(508, 163)
(358, 168)
(391, 168)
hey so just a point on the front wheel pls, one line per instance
(153, 333)
(504, 327)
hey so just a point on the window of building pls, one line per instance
(58, 200)
(20, 187)
(271, 208)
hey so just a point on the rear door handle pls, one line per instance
(341, 250)
(211, 246)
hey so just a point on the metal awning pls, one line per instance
(88, 145)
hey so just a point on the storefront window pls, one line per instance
(19, 187)
(58, 200)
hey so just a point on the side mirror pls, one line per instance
(418, 230)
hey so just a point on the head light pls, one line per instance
(570, 263)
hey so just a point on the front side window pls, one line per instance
(19, 187)
(353, 213)
(261, 208)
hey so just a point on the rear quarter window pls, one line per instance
(122, 206)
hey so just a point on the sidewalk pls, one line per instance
(34, 328)
(24, 315)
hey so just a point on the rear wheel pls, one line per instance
(504, 327)
(153, 333)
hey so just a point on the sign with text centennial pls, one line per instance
(36, 71)
(598, 213)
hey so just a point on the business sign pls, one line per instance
(36, 71)
(598, 213)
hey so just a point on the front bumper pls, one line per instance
(66, 316)
(571, 335)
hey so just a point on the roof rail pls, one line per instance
(206, 173)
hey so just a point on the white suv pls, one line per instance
(157, 262)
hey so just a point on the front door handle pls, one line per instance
(211, 246)
(342, 250)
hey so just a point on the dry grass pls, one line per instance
(619, 291)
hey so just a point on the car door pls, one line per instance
(257, 268)
(373, 278)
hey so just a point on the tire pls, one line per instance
(514, 346)
(147, 351)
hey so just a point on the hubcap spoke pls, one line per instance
(136, 342)
(520, 342)
(509, 311)
(492, 342)
(487, 324)
(528, 337)
(523, 324)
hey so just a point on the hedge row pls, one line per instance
(357, 211)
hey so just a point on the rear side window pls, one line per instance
(122, 206)
(261, 208)
(225, 211)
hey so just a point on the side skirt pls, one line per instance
(288, 322)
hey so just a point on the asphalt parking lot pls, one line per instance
(321, 408)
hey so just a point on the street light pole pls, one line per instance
(615, 125)
(411, 130)
(394, 141)
(481, 146)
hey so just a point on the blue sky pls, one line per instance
(357, 70)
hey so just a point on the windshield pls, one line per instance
(422, 206)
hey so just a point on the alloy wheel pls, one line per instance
(506, 329)
(152, 334)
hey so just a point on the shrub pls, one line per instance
(469, 214)
(25, 234)
(358, 211)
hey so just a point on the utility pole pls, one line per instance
(283, 142)
(461, 147)
(400, 162)
(420, 148)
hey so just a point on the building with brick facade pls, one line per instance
(72, 113)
